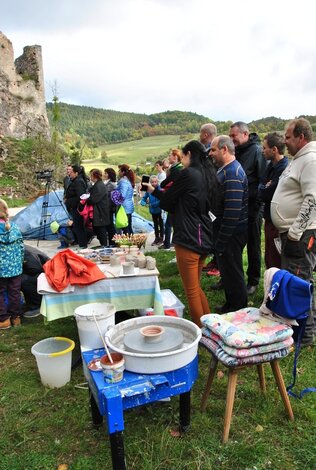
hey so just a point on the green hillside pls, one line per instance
(100, 126)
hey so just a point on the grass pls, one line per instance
(136, 152)
(42, 428)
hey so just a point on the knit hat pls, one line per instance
(54, 226)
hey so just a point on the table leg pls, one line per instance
(185, 411)
(117, 451)
(97, 418)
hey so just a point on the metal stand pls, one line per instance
(111, 400)
(45, 205)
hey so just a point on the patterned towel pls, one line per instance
(246, 328)
(231, 361)
(246, 352)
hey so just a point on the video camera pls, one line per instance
(44, 175)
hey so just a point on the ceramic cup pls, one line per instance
(150, 262)
(128, 267)
(142, 261)
(135, 261)
(115, 260)
(113, 372)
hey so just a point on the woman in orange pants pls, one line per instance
(190, 200)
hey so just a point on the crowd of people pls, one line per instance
(214, 196)
(222, 187)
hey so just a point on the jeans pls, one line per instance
(168, 229)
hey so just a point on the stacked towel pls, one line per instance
(245, 337)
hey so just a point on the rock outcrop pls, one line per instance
(22, 93)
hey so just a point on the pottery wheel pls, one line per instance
(170, 340)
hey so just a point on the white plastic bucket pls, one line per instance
(53, 358)
(88, 331)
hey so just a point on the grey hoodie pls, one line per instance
(293, 206)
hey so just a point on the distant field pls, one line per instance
(136, 151)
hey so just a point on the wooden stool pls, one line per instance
(231, 389)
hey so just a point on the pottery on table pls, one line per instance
(150, 263)
(142, 261)
(128, 267)
(115, 260)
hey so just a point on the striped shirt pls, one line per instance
(233, 211)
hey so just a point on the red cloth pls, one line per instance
(66, 267)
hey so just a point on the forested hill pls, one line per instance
(100, 126)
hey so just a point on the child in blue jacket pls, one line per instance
(11, 266)
(155, 210)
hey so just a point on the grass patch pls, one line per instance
(42, 428)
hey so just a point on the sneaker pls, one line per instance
(251, 289)
(16, 321)
(163, 247)
(155, 242)
(5, 324)
(62, 247)
(213, 272)
(35, 312)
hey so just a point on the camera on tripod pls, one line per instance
(44, 175)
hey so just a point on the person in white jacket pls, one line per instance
(293, 210)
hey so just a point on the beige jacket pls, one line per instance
(293, 206)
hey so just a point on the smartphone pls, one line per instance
(145, 179)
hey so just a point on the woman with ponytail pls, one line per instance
(191, 199)
(126, 186)
(11, 267)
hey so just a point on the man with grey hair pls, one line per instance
(249, 154)
(230, 226)
(207, 133)
(293, 210)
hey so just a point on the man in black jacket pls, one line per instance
(172, 174)
(249, 154)
(273, 151)
(34, 260)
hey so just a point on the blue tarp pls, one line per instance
(34, 221)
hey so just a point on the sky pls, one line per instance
(227, 60)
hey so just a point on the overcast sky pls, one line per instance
(238, 60)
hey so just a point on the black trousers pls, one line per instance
(29, 288)
(13, 286)
(158, 225)
(79, 228)
(232, 272)
(254, 246)
(302, 264)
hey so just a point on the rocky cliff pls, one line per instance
(22, 93)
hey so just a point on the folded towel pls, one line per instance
(43, 286)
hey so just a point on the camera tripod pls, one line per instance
(45, 205)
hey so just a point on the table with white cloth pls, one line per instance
(138, 291)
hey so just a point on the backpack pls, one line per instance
(291, 297)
